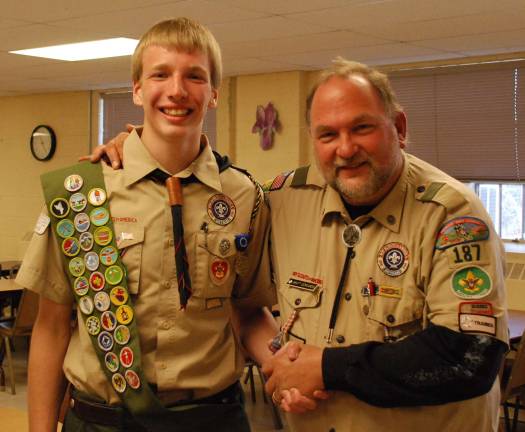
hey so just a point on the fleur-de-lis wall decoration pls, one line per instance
(266, 124)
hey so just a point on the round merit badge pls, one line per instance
(103, 236)
(82, 222)
(108, 320)
(93, 325)
(77, 266)
(73, 182)
(221, 209)
(65, 228)
(133, 379)
(392, 259)
(101, 300)
(122, 335)
(81, 285)
(119, 383)
(114, 275)
(351, 235)
(124, 314)
(118, 295)
(92, 261)
(86, 241)
(471, 282)
(97, 196)
(96, 281)
(59, 208)
(108, 255)
(99, 216)
(78, 202)
(111, 361)
(105, 341)
(219, 271)
(70, 246)
(85, 305)
(126, 357)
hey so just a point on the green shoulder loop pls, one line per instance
(298, 179)
(444, 194)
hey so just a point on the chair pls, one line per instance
(22, 325)
(513, 384)
(250, 364)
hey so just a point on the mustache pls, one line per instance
(353, 162)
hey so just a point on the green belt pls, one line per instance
(77, 201)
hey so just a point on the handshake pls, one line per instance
(294, 377)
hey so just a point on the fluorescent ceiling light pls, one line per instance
(84, 50)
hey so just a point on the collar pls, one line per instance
(139, 163)
(388, 212)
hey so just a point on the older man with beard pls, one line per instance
(385, 304)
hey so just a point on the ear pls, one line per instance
(214, 98)
(400, 124)
(137, 93)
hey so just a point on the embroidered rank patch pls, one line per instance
(473, 307)
(392, 259)
(471, 283)
(219, 271)
(42, 223)
(389, 291)
(471, 323)
(461, 230)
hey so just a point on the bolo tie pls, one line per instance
(174, 187)
(351, 237)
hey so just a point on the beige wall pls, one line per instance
(20, 196)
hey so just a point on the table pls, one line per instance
(8, 285)
(7, 266)
(516, 325)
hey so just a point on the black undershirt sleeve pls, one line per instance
(434, 366)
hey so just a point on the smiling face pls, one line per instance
(175, 92)
(357, 145)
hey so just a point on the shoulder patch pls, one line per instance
(464, 229)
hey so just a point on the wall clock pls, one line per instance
(43, 143)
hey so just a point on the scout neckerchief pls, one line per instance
(77, 201)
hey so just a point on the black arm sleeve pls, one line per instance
(434, 366)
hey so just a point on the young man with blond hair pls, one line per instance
(154, 348)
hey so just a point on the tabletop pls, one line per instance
(7, 285)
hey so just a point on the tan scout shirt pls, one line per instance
(308, 256)
(194, 349)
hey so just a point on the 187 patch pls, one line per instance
(461, 230)
(392, 259)
(471, 283)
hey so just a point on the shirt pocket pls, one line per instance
(307, 304)
(214, 265)
(390, 319)
(130, 241)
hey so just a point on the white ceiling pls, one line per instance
(256, 36)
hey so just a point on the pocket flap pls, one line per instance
(301, 298)
(392, 312)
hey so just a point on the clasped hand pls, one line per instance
(295, 378)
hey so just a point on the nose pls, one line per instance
(347, 146)
(177, 90)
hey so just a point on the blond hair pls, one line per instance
(345, 69)
(185, 35)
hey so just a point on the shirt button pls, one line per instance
(171, 242)
(297, 301)
(166, 284)
(391, 319)
(163, 366)
(348, 296)
(421, 189)
(340, 339)
(365, 309)
(166, 325)
(391, 219)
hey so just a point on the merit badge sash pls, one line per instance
(78, 205)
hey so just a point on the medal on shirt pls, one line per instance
(351, 235)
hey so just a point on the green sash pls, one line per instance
(100, 289)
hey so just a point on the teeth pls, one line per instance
(176, 112)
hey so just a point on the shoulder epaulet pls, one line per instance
(445, 194)
(300, 175)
